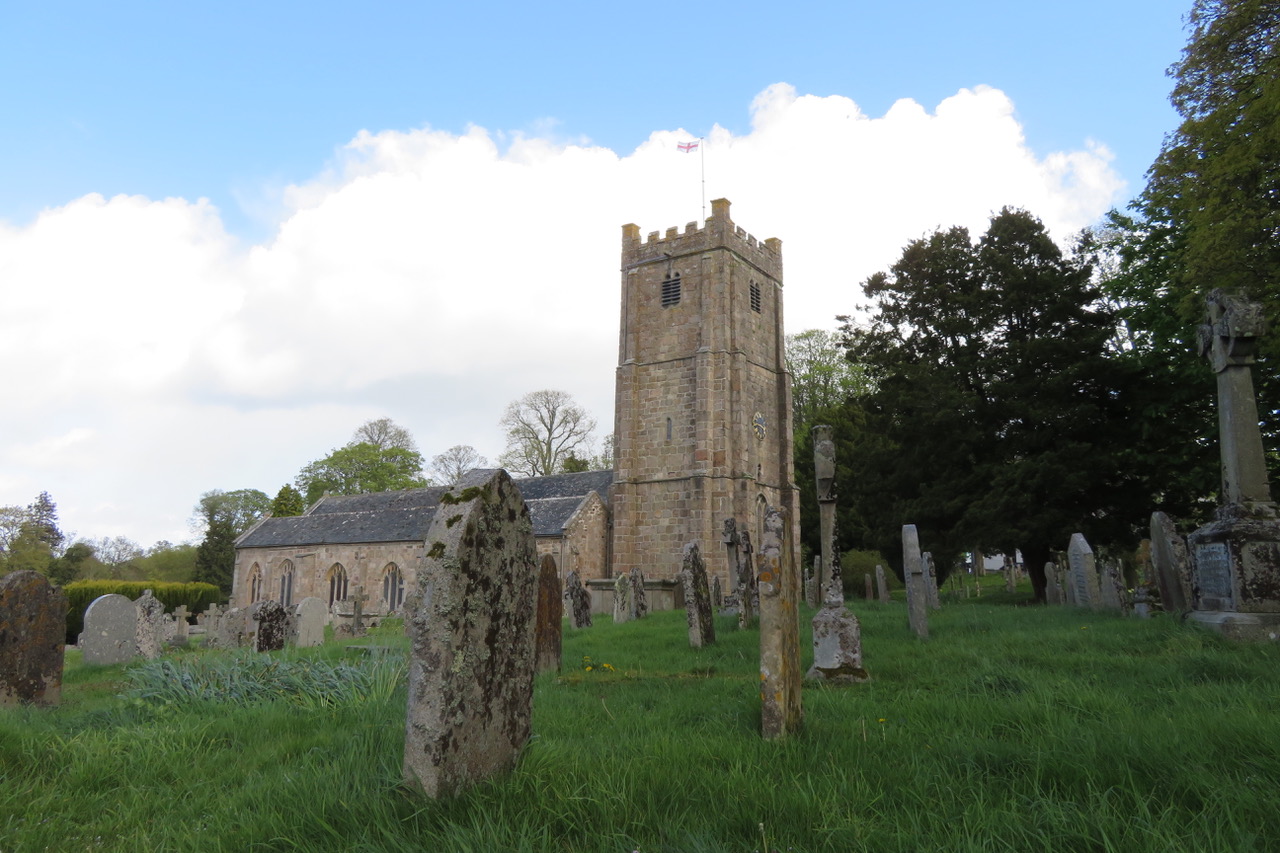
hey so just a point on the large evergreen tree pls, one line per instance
(995, 419)
(216, 555)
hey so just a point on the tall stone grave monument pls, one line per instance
(824, 471)
(471, 625)
(697, 598)
(748, 590)
(931, 582)
(639, 600)
(623, 593)
(308, 622)
(781, 709)
(1082, 577)
(913, 574)
(1235, 560)
(150, 625)
(33, 629)
(110, 630)
(550, 616)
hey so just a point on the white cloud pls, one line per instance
(433, 277)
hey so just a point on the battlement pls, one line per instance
(719, 232)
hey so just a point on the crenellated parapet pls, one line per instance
(719, 232)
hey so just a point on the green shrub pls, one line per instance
(80, 594)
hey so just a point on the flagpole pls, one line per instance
(702, 156)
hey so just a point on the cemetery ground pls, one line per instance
(1012, 728)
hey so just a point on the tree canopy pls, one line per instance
(448, 467)
(543, 428)
(359, 469)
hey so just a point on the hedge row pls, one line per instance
(80, 594)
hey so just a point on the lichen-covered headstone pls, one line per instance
(1173, 568)
(1083, 573)
(748, 590)
(579, 601)
(837, 644)
(882, 585)
(471, 624)
(639, 600)
(622, 594)
(151, 627)
(778, 582)
(870, 591)
(110, 630)
(33, 629)
(550, 616)
(931, 581)
(1111, 587)
(271, 626)
(697, 598)
(913, 574)
(308, 622)
(717, 594)
(1052, 584)
(232, 630)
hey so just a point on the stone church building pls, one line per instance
(702, 431)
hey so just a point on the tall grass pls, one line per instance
(1013, 728)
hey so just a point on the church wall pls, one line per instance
(365, 564)
(584, 547)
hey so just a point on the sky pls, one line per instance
(231, 233)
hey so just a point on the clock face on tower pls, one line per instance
(758, 426)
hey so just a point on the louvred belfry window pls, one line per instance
(671, 290)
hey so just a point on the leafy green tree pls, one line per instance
(573, 465)
(822, 376)
(359, 469)
(287, 502)
(995, 413)
(166, 561)
(240, 508)
(216, 555)
(72, 564)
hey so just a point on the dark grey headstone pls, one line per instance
(550, 616)
(697, 598)
(33, 629)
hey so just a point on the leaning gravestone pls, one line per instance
(1084, 573)
(33, 630)
(1173, 570)
(837, 643)
(308, 622)
(550, 616)
(697, 598)
(778, 581)
(471, 624)
(110, 630)
(151, 625)
(579, 601)
(913, 574)
(882, 585)
(623, 591)
(271, 626)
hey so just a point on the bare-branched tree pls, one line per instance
(448, 467)
(543, 428)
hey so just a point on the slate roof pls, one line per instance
(406, 516)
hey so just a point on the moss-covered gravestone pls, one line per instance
(579, 601)
(778, 581)
(623, 593)
(471, 624)
(33, 628)
(550, 616)
(697, 598)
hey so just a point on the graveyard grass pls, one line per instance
(1012, 728)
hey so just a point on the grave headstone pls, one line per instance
(931, 581)
(882, 585)
(1084, 573)
(180, 629)
(232, 630)
(623, 592)
(579, 601)
(358, 600)
(870, 593)
(1052, 584)
(471, 624)
(151, 625)
(110, 630)
(271, 625)
(837, 644)
(748, 591)
(33, 629)
(1172, 568)
(778, 582)
(913, 574)
(1111, 587)
(811, 595)
(550, 617)
(308, 622)
(697, 598)
(1010, 573)
(717, 595)
(639, 600)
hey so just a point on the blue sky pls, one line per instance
(230, 233)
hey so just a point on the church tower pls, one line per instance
(703, 398)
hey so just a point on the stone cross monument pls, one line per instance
(1235, 574)
(824, 469)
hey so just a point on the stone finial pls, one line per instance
(1230, 334)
